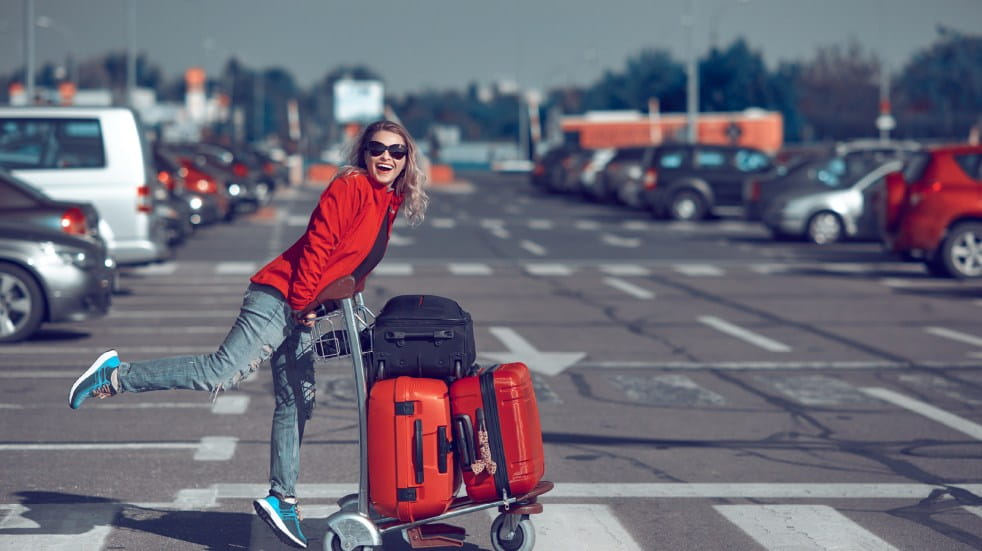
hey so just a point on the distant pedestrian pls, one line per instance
(347, 234)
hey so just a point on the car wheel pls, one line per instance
(961, 252)
(824, 228)
(21, 304)
(687, 205)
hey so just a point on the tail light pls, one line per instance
(753, 191)
(240, 170)
(166, 179)
(143, 200)
(73, 221)
(918, 193)
(895, 190)
(202, 185)
(650, 179)
(539, 169)
(269, 168)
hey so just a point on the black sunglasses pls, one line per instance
(397, 150)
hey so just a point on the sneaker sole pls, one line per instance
(92, 369)
(273, 520)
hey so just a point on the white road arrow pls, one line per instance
(520, 350)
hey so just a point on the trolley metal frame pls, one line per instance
(356, 526)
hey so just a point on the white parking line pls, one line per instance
(625, 270)
(469, 269)
(237, 268)
(579, 526)
(618, 241)
(209, 448)
(548, 270)
(698, 270)
(540, 224)
(230, 404)
(443, 223)
(638, 490)
(636, 225)
(393, 269)
(954, 335)
(588, 225)
(744, 334)
(629, 288)
(801, 527)
(532, 247)
(935, 414)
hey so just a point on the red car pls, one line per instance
(934, 210)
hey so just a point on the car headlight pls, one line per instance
(68, 255)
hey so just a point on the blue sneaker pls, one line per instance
(95, 381)
(284, 518)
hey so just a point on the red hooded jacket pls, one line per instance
(340, 234)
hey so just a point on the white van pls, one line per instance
(94, 154)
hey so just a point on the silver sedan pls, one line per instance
(825, 215)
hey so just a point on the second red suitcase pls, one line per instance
(410, 458)
(498, 433)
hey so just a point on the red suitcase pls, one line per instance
(499, 437)
(410, 457)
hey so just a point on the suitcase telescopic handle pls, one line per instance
(464, 440)
(443, 448)
(436, 335)
(418, 451)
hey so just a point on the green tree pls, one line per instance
(838, 93)
(650, 74)
(939, 91)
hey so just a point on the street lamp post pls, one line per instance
(691, 75)
(29, 49)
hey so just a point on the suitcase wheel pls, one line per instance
(512, 533)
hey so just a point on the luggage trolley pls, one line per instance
(356, 526)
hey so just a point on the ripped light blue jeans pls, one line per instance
(265, 329)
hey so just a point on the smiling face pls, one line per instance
(385, 168)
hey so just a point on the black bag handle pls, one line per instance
(418, 451)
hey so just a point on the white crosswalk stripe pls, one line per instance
(801, 527)
(579, 526)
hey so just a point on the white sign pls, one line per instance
(358, 100)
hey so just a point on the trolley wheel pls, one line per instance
(522, 539)
(333, 543)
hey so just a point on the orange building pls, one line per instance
(752, 128)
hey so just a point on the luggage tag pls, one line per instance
(485, 462)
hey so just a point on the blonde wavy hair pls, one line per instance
(410, 184)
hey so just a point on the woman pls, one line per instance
(347, 234)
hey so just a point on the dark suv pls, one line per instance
(692, 181)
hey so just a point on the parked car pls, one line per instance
(549, 167)
(201, 178)
(847, 162)
(95, 154)
(22, 203)
(934, 210)
(207, 201)
(693, 181)
(244, 193)
(620, 171)
(589, 183)
(49, 275)
(845, 209)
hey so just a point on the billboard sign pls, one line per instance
(358, 100)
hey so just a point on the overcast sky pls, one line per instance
(439, 44)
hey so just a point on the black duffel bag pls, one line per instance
(422, 336)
